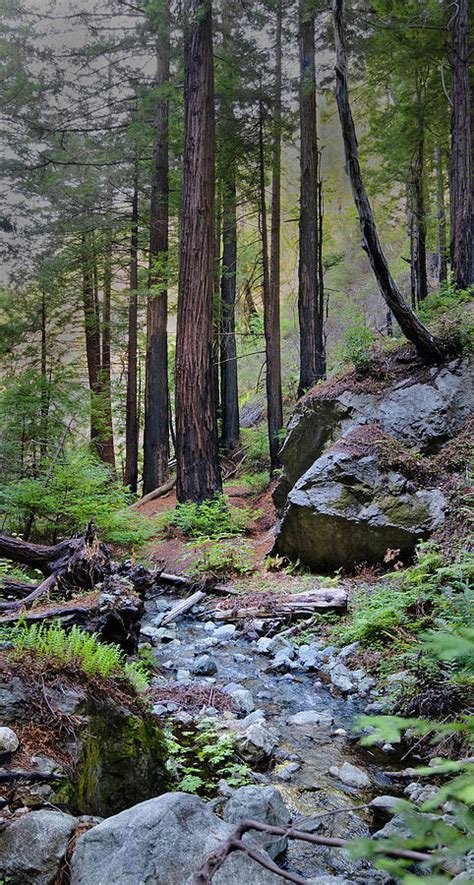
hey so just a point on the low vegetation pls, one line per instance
(76, 648)
(200, 757)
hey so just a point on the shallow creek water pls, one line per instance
(312, 790)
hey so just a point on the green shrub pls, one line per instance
(77, 647)
(411, 599)
(255, 482)
(357, 340)
(75, 490)
(198, 759)
(222, 559)
(211, 519)
(255, 445)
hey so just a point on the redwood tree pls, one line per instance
(198, 474)
(310, 298)
(131, 419)
(461, 183)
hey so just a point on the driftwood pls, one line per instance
(205, 875)
(8, 777)
(181, 607)
(299, 605)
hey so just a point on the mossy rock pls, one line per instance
(122, 761)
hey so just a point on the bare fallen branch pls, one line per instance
(156, 493)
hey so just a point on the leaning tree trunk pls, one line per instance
(461, 172)
(229, 389)
(198, 473)
(156, 431)
(131, 418)
(427, 345)
(312, 362)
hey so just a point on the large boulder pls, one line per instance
(264, 804)
(33, 845)
(346, 508)
(164, 841)
(418, 406)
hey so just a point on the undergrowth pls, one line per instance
(199, 758)
(211, 519)
(75, 646)
(221, 558)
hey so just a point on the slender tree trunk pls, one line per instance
(461, 172)
(44, 380)
(441, 216)
(106, 452)
(427, 345)
(272, 303)
(216, 308)
(198, 473)
(420, 221)
(229, 388)
(156, 431)
(92, 335)
(312, 362)
(131, 420)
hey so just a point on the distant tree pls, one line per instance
(461, 171)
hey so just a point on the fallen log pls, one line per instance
(299, 605)
(8, 777)
(181, 607)
(156, 493)
(184, 582)
(77, 563)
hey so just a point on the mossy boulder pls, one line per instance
(121, 760)
(347, 509)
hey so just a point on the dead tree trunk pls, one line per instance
(427, 345)
(198, 473)
(156, 431)
(131, 418)
(312, 361)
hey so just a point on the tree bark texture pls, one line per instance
(272, 302)
(310, 301)
(198, 473)
(427, 345)
(229, 389)
(92, 335)
(107, 452)
(441, 216)
(156, 429)
(131, 418)
(461, 171)
(420, 276)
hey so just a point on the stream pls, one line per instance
(304, 754)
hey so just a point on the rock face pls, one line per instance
(345, 510)
(338, 503)
(164, 840)
(264, 804)
(33, 845)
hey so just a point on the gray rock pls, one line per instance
(387, 803)
(329, 880)
(13, 699)
(286, 771)
(310, 656)
(348, 651)
(243, 700)
(264, 804)
(150, 634)
(8, 740)
(164, 634)
(182, 674)
(256, 743)
(311, 717)
(255, 716)
(204, 666)
(341, 512)
(342, 679)
(226, 631)
(282, 662)
(351, 775)
(32, 846)
(165, 840)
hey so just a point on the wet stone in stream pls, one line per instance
(303, 728)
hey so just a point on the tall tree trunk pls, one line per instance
(441, 216)
(420, 222)
(156, 431)
(131, 419)
(461, 181)
(312, 362)
(229, 388)
(198, 473)
(272, 303)
(92, 335)
(106, 451)
(427, 345)
(216, 308)
(44, 407)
